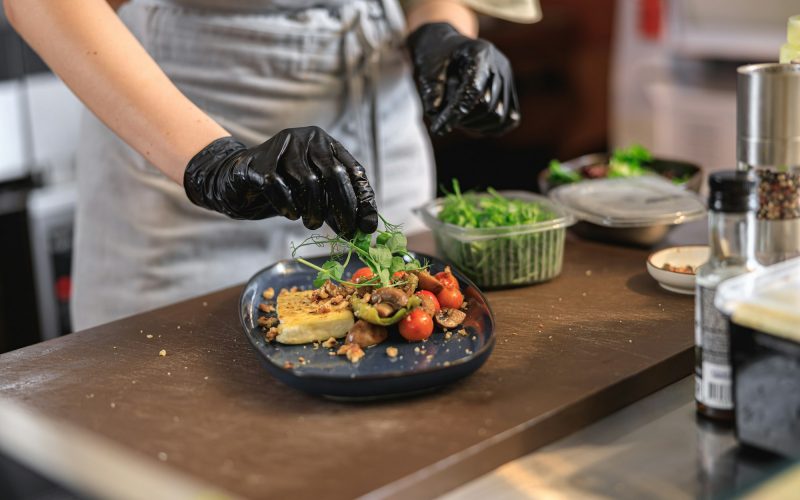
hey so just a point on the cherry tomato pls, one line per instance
(429, 302)
(417, 325)
(450, 297)
(362, 274)
(447, 279)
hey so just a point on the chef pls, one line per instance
(216, 124)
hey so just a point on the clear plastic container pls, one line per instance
(503, 256)
(763, 309)
(634, 210)
(767, 301)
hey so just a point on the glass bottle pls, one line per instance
(733, 202)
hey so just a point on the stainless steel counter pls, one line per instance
(655, 448)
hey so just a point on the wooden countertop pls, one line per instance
(570, 351)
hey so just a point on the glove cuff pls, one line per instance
(200, 173)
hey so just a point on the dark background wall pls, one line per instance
(561, 67)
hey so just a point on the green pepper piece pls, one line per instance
(367, 312)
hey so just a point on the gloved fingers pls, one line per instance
(511, 115)
(431, 91)
(485, 113)
(367, 211)
(303, 181)
(280, 196)
(341, 199)
(472, 78)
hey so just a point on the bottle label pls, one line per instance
(711, 327)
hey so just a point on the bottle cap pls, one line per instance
(733, 191)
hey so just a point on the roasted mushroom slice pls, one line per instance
(366, 334)
(390, 295)
(449, 318)
(428, 282)
(384, 309)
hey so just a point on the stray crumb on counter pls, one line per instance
(330, 343)
(162, 352)
(113, 404)
(149, 335)
(205, 304)
(588, 272)
(392, 351)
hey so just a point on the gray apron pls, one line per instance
(257, 68)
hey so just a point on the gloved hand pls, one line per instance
(299, 172)
(464, 83)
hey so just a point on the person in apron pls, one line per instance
(274, 111)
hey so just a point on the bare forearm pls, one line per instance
(86, 44)
(461, 17)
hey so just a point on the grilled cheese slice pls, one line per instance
(302, 320)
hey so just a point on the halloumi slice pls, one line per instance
(302, 322)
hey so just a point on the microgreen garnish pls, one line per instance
(386, 255)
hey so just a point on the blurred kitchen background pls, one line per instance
(592, 75)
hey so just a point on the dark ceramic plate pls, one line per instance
(419, 366)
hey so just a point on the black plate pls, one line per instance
(420, 366)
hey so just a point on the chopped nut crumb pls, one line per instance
(162, 352)
(268, 294)
(446, 363)
(330, 343)
(429, 357)
(462, 332)
(149, 335)
(331, 353)
(266, 308)
(301, 360)
(447, 335)
(391, 351)
(293, 289)
(353, 352)
(468, 351)
(416, 349)
(288, 365)
(271, 334)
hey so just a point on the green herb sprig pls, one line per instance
(386, 255)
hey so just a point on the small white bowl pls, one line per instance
(690, 255)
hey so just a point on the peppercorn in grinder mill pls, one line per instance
(768, 142)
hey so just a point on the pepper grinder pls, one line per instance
(768, 142)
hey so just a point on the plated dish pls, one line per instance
(393, 367)
(675, 268)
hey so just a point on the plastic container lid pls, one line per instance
(560, 218)
(630, 202)
(767, 300)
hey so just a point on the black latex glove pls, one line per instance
(300, 172)
(464, 83)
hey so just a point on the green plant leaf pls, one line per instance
(397, 243)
